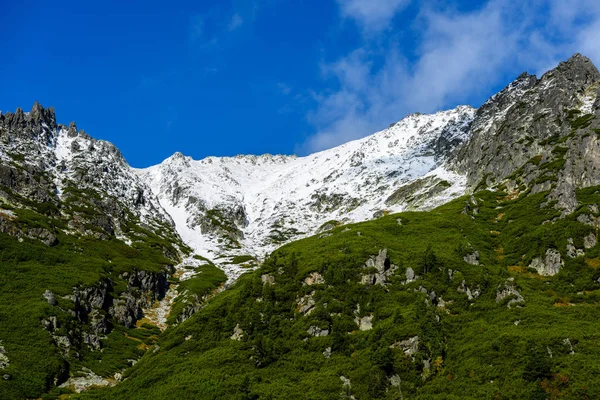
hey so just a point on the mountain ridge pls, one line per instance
(213, 203)
(96, 254)
(349, 182)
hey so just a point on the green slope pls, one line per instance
(546, 346)
(28, 268)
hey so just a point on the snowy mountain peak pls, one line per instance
(78, 170)
(251, 204)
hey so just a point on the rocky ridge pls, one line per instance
(58, 185)
(253, 204)
(63, 173)
(538, 135)
(535, 135)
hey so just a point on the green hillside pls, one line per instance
(44, 342)
(488, 328)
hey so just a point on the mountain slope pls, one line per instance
(44, 162)
(439, 304)
(251, 205)
(489, 296)
(539, 134)
(85, 249)
(408, 305)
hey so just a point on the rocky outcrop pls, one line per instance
(4, 361)
(380, 269)
(63, 173)
(590, 241)
(49, 296)
(238, 333)
(472, 259)
(192, 306)
(418, 192)
(549, 265)
(536, 134)
(317, 332)
(509, 290)
(409, 346)
(10, 224)
(306, 304)
(314, 279)
(572, 251)
(410, 275)
(143, 288)
(364, 323)
(97, 309)
(85, 380)
(472, 294)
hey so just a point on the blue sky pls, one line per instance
(273, 76)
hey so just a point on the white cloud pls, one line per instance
(196, 28)
(459, 55)
(284, 88)
(236, 22)
(371, 15)
(214, 26)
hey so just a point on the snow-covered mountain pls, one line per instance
(249, 205)
(65, 173)
(523, 137)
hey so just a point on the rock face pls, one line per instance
(538, 134)
(509, 290)
(97, 310)
(254, 204)
(548, 265)
(64, 173)
(383, 269)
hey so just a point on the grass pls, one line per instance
(208, 279)
(242, 259)
(480, 347)
(582, 122)
(28, 268)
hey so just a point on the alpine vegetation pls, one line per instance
(451, 255)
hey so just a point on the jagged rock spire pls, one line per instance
(578, 68)
(39, 116)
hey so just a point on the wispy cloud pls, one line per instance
(215, 25)
(371, 15)
(284, 88)
(236, 22)
(458, 54)
(196, 28)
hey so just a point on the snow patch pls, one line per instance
(285, 198)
